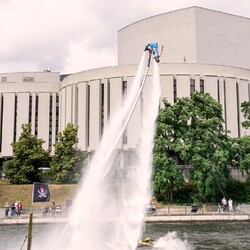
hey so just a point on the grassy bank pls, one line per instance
(11, 193)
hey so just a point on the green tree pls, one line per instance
(245, 109)
(191, 133)
(240, 153)
(67, 162)
(210, 148)
(28, 157)
(171, 123)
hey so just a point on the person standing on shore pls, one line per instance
(6, 206)
(13, 209)
(230, 205)
(224, 203)
(53, 208)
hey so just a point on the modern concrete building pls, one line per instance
(204, 50)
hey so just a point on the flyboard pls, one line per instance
(133, 106)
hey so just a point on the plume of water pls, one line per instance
(171, 242)
(109, 209)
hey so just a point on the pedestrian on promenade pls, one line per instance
(224, 203)
(6, 206)
(53, 208)
(219, 209)
(13, 209)
(230, 205)
(19, 208)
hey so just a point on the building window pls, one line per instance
(225, 103)
(238, 108)
(57, 116)
(28, 79)
(3, 79)
(108, 99)
(1, 121)
(124, 89)
(50, 121)
(201, 86)
(15, 119)
(30, 108)
(36, 115)
(88, 113)
(125, 137)
(192, 86)
(175, 90)
(102, 107)
(218, 90)
(76, 104)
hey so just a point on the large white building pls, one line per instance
(204, 50)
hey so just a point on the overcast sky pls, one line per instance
(74, 35)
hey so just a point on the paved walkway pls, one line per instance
(24, 219)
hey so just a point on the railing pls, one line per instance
(208, 208)
(186, 209)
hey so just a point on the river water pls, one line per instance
(198, 235)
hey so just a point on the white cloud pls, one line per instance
(81, 57)
(74, 35)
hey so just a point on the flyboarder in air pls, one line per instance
(153, 49)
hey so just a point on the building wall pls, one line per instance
(217, 60)
(89, 99)
(25, 97)
(199, 35)
(222, 38)
(228, 85)
(175, 30)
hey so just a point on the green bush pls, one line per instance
(238, 191)
(185, 193)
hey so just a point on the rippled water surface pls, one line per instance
(199, 235)
(206, 235)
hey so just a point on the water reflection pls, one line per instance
(200, 235)
(223, 235)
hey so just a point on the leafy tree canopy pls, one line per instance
(245, 109)
(67, 162)
(28, 157)
(191, 132)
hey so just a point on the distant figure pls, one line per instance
(150, 208)
(6, 206)
(68, 204)
(58, 209)
(16, 208)
(19, 208)
(224, 203)
(13, 209)
(53, 208)
(230, 205)
(46, 210)
(237, 208)
(153, 49)
(219, 209)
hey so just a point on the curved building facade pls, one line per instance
(204, 50)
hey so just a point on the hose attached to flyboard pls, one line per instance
(119, 135)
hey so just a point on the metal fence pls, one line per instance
(209, 208)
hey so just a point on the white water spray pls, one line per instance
(109, 209)
(171, 242)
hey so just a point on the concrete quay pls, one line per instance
(24, 219)
(198, 217)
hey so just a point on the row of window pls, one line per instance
(30, 117)
(102, 103)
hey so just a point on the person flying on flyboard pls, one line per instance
(153, 49)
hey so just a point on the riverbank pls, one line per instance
(24, 219)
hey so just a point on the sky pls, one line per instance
(69, 36)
